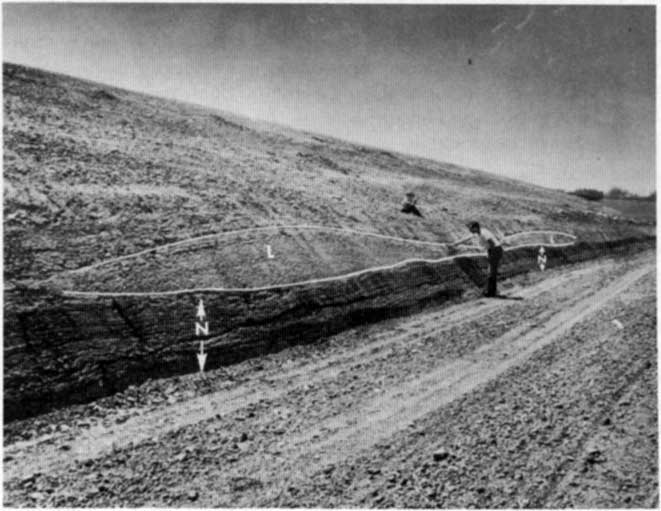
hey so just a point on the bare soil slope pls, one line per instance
(92, 172)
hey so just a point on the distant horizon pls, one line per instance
(560, 97)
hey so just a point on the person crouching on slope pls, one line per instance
(494, 253)
(410, 205)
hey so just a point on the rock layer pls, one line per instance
(62, 349)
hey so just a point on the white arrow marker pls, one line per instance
(619, 325)
(201, 329)
(541, 258)
(201, 357)
(200, 311)
(268, 252)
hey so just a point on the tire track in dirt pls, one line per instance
(567, 472)
(395, 410)
(387, 414)
(33, 455)
(505, 440)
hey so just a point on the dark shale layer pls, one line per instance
(61, 350)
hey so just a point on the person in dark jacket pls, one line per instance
(494, 249)
(410, 205)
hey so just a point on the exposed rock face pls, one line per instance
(61, 350)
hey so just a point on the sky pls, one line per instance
(563, 97)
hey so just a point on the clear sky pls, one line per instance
(559, 96)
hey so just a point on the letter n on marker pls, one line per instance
(202, 330)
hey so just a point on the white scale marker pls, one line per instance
(541, 258)
(269, 254)
(201, 328)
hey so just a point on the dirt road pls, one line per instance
(543, 401)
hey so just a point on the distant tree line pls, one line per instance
(588, 193)
(619, 193)
(613, 193)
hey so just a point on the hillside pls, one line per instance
(92, 172)
(123, 211)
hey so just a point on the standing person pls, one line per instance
(494, 254)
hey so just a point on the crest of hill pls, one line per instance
(94, 172)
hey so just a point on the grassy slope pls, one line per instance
(93, 172)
